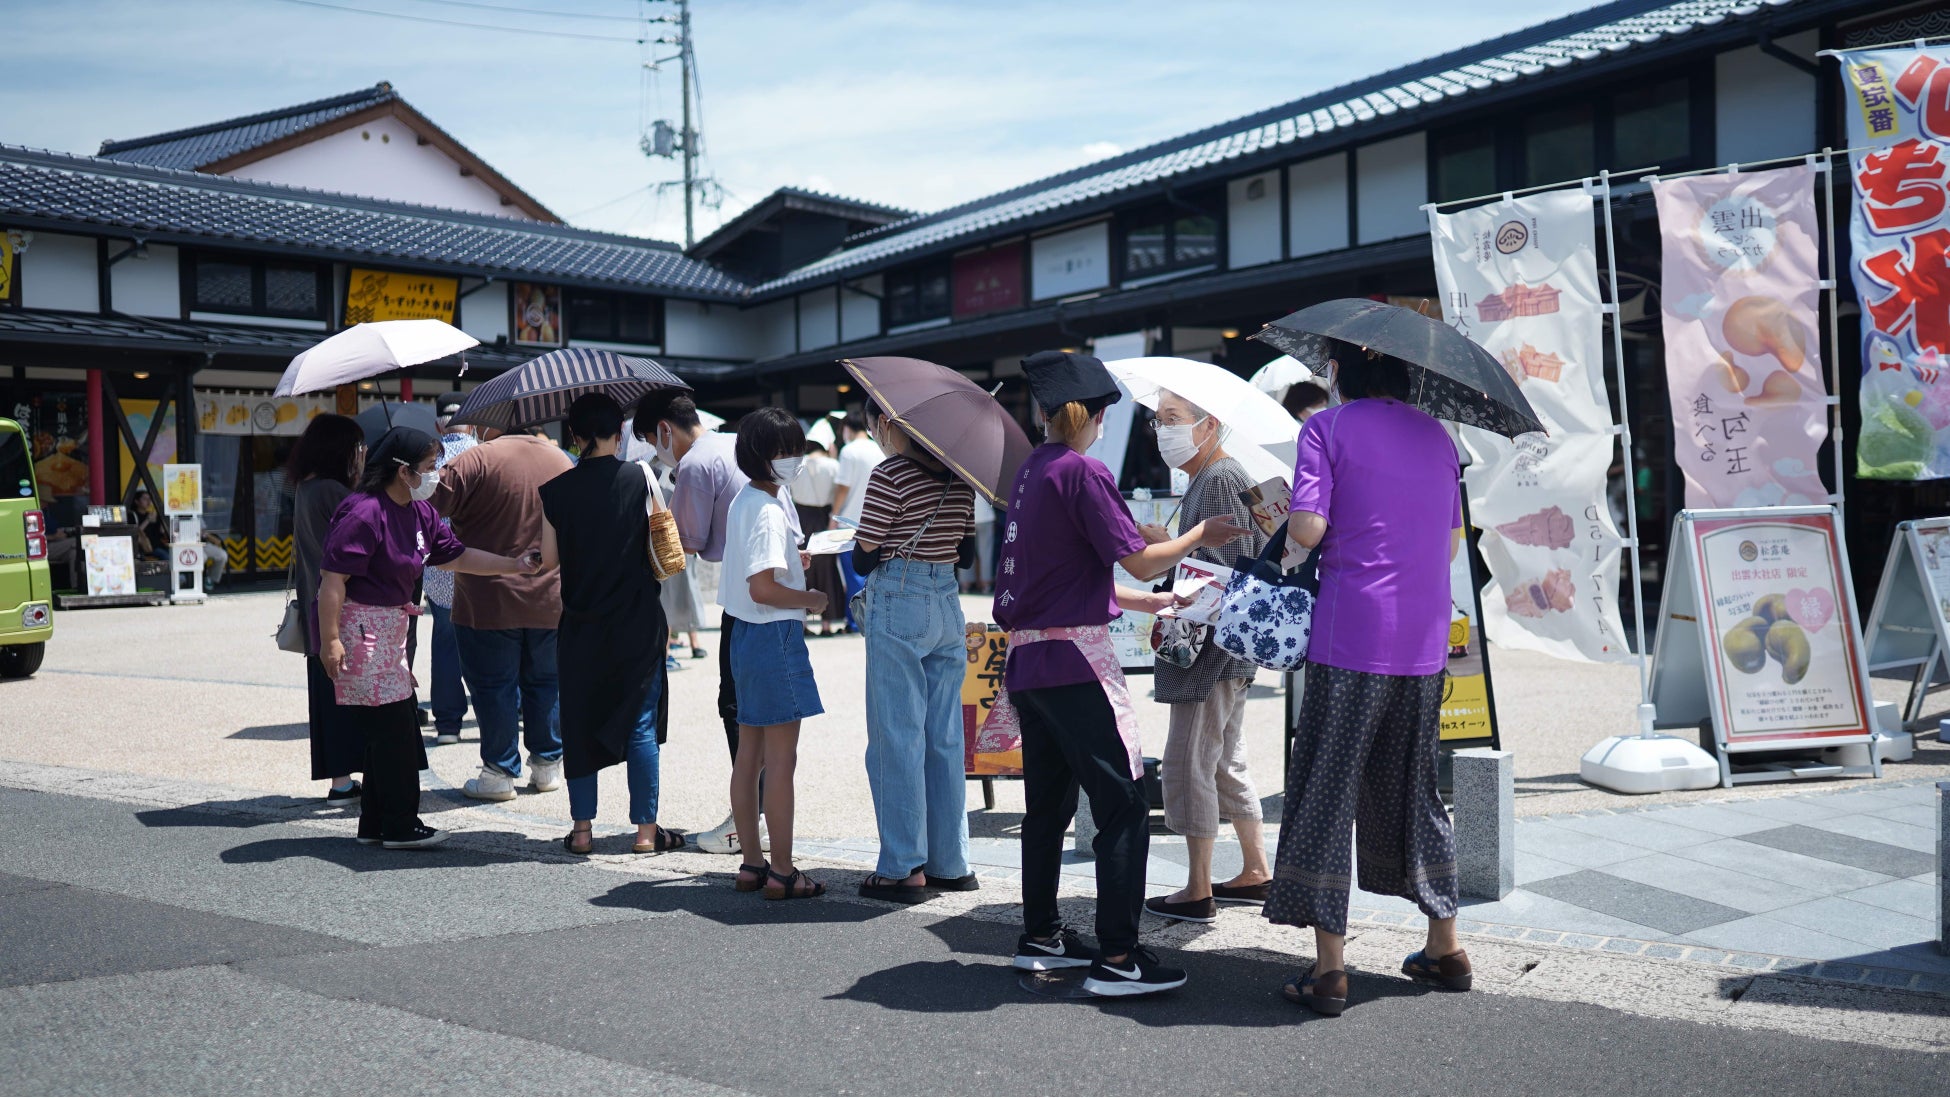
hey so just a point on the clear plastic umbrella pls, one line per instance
(368, 350)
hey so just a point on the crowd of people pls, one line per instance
(557, 628)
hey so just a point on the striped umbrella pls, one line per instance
(541, 389)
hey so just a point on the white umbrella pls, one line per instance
(1250, 415)
(710, 422)
(822, 432)
(368, 350)
(1281, 374)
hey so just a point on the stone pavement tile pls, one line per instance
(1856, 800)
(10, 884)
(218, 1031)
(1729, 888)
(1881, 829)
(1536, 867)
(1874, 927)
(1767, 935)
(1785, 809)
(1575, 847)
(1913, 793)
(1845, 849)
(1915, 815)
(70, 934)
(1913, 896)
(1668, 912)
(1636, 829)
(1524, 908)
(1814, 874)
(1716, 819)
(1920, 957)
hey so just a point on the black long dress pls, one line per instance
(611, 644)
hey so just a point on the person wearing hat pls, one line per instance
(449, 691)
(1067, 527)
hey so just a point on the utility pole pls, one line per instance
(689, 137)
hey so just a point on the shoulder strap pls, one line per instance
(655, 501)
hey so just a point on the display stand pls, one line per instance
(1758, 641)
(186, 560)
(1908, 628)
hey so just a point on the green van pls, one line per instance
(26, 589)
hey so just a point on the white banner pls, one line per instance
(1520, 277)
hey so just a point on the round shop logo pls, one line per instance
(1511, 236)
(264, 416)
(1749, 551)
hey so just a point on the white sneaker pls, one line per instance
(492, 785)
(722, 839)
(544, 776)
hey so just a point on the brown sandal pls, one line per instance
(588, 846)
(1452, 972)
(661, 842)
(1306, 989)
(796, 887)
(758, 873)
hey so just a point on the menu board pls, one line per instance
(111, 564)
(182, 489)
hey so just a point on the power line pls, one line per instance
(533, 11)
(637, 190)
(459, 23)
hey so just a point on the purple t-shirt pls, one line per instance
(380, 546)
(1384, 477)
(1066, 526)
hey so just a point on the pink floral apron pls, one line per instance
(1002, 731)
(375, 671)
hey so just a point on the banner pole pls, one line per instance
(1833, 286)
(1625, 441)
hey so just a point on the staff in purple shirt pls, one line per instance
(384, 533)
(1066, 527)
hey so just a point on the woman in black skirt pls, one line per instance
(323, 466)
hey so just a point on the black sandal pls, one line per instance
(662, 842)
(876, 887)
(758, 872)
(796, 887)
(589, 841)
(1452, 972)
(1301, 989)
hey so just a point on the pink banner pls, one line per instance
(1740, 297)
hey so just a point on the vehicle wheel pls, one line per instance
(17, 661)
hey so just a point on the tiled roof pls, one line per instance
(1580, 39)
(57, 190)
(796, 198)
(198, 146)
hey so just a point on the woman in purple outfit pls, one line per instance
(382, 535)
(1374, 488)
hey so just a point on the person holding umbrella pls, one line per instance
(1067, 527)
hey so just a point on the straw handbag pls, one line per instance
(666, 551)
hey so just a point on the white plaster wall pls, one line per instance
(484, 313)
(58, 272)
(700, 329)
(1394, 182)
(1763, 108)
(819, 319)
(1317, 201)
(1253, 224)
(772, 329)
(860, 312)
(379, 159)
(146, 287)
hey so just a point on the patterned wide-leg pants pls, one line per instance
(1364, 755)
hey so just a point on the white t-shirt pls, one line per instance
(857, 461)
(813, 487)
(761, 532)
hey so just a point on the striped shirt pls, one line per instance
(901, 495)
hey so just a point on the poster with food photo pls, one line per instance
(538, 313)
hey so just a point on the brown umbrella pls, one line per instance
(950, 416)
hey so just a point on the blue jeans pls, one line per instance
(854, 583)
(915, 749)
(510, 671)
(449, 692)
(640, 765)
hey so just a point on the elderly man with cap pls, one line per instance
(449, 692)
(1067, 527)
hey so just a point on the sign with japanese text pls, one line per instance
(1898, 106)
(538, 313)
(57, 439)
(182, 487)
(1071, 262)
(1468, 714)
(1130, 631)
(1740, 295)
(1520, 277)
(988, 281)
(986, 752)
(9, 263)
(392, 295)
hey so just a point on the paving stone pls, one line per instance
(1666, 911)
(1578, 848)
(1712, 818)
(1536, 867)
(1532, 909)
(1640, 830)
(1914, 896)
(1816, 874)
(1727, 887)
(1785, 809)
(1873, 927)
(1844, 849)
(1879, 829)
(1764, 933)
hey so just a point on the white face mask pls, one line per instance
(785, 469)
(428, 482)
(1176, 444)
(665, 453)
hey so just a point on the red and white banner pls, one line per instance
(1740, 298)
(1898, 107)
(1520, 277)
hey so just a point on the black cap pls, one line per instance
(1059, 377)
(447, 404)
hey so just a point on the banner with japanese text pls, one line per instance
(1897, 102)
(1741, 300)
(1520, 277)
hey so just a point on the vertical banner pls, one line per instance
(1743, 357)
(986, 752)
(1520, 277)
(1898, 106)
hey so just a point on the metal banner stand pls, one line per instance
(1907, 627)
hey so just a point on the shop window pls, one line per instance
(613, 318)
(917, 294)
(256, 287)
(1559, 144)
(1166, 238)
(1652, 124)
(1464, 163)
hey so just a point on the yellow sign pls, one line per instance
(392, 295)
(6, 269)
(988, 649)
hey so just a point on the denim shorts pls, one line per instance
(772, 673)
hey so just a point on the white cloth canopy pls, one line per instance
(368, 350)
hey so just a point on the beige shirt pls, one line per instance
(493, 495)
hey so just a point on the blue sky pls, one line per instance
(913, 104)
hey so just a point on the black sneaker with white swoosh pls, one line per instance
(1062, 949)
(1140, 973)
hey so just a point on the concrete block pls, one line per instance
(1086, 827)
(1943, 867)
(1486, 822)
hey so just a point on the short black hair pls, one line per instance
(594, 416)
(1364, 373)
(326, 450)
(673, 406)
(397, 449)
(767, 433)
(855, 421)
(1303, 396)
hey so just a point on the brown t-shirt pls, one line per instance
(493, 495)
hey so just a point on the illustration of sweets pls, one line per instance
(1549, 528)
(1533, 599)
